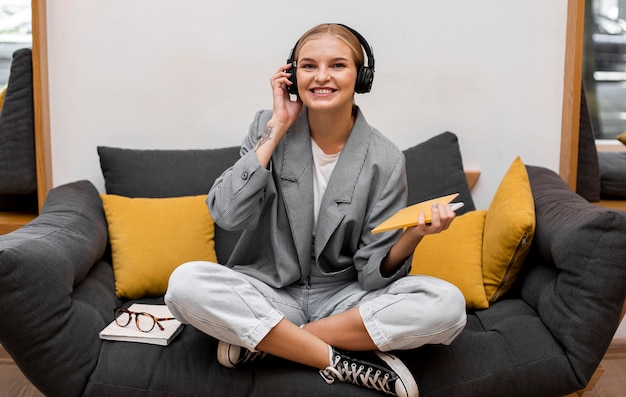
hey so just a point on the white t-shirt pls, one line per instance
(324, 165)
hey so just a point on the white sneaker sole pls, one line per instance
(408, 386)
(223, 354)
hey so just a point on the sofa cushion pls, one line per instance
(18, 173)
(612, 174)
(187, 367)
(169, 173)
(150, 237)
(509, 231)
(56, 294)
(588, 175)
(434, 168)
(482, 252)
(587, 245)
(163, 173)
(455, 255)
(502, 351)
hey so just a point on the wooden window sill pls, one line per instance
(10, 221)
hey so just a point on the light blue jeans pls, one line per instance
(241, 310)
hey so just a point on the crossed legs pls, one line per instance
(309, 345)
(243, 311)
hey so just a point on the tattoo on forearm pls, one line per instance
(267, 135)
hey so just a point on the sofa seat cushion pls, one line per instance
(501, 352)
(188, 367)
(612, 174)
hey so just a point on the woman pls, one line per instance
(308, 281)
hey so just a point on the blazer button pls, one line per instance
(244, 175)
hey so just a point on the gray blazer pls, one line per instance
(274, 207)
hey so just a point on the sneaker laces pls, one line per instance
(371, 377)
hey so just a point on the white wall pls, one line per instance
(192, 73)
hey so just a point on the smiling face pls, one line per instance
(326, 73)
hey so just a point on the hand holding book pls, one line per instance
(408, 216)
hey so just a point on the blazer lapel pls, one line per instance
(297, 189)
(342, 182)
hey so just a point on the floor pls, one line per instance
(611, 384)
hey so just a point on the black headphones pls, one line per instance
(365, 74)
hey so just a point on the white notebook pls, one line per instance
(131, 333)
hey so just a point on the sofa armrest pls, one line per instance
(577, 279)
(56, 293)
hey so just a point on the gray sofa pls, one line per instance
(18, 174)
(545, 337)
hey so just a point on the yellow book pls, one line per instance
(407, 216)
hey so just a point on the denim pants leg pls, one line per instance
(228, 305)
(412, 312)
(408, 313)
(241, 310)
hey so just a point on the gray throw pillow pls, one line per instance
(163, 173)
(18, 174)
(434, 168)
(612, 174)
(588, 175)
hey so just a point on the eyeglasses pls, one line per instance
(145, 322)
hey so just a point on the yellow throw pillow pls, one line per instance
(509, 230)
(455, 255)
(622, 138)
(150, 237)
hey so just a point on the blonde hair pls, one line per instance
(338, 31)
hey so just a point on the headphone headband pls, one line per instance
(365, 74)
(366, 47)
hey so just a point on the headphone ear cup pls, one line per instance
(293, 88)
(364, 80)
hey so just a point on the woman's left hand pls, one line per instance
(441, 220)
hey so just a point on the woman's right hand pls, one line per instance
(285, 111)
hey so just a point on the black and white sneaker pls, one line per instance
(379, 371)
(232, 355)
